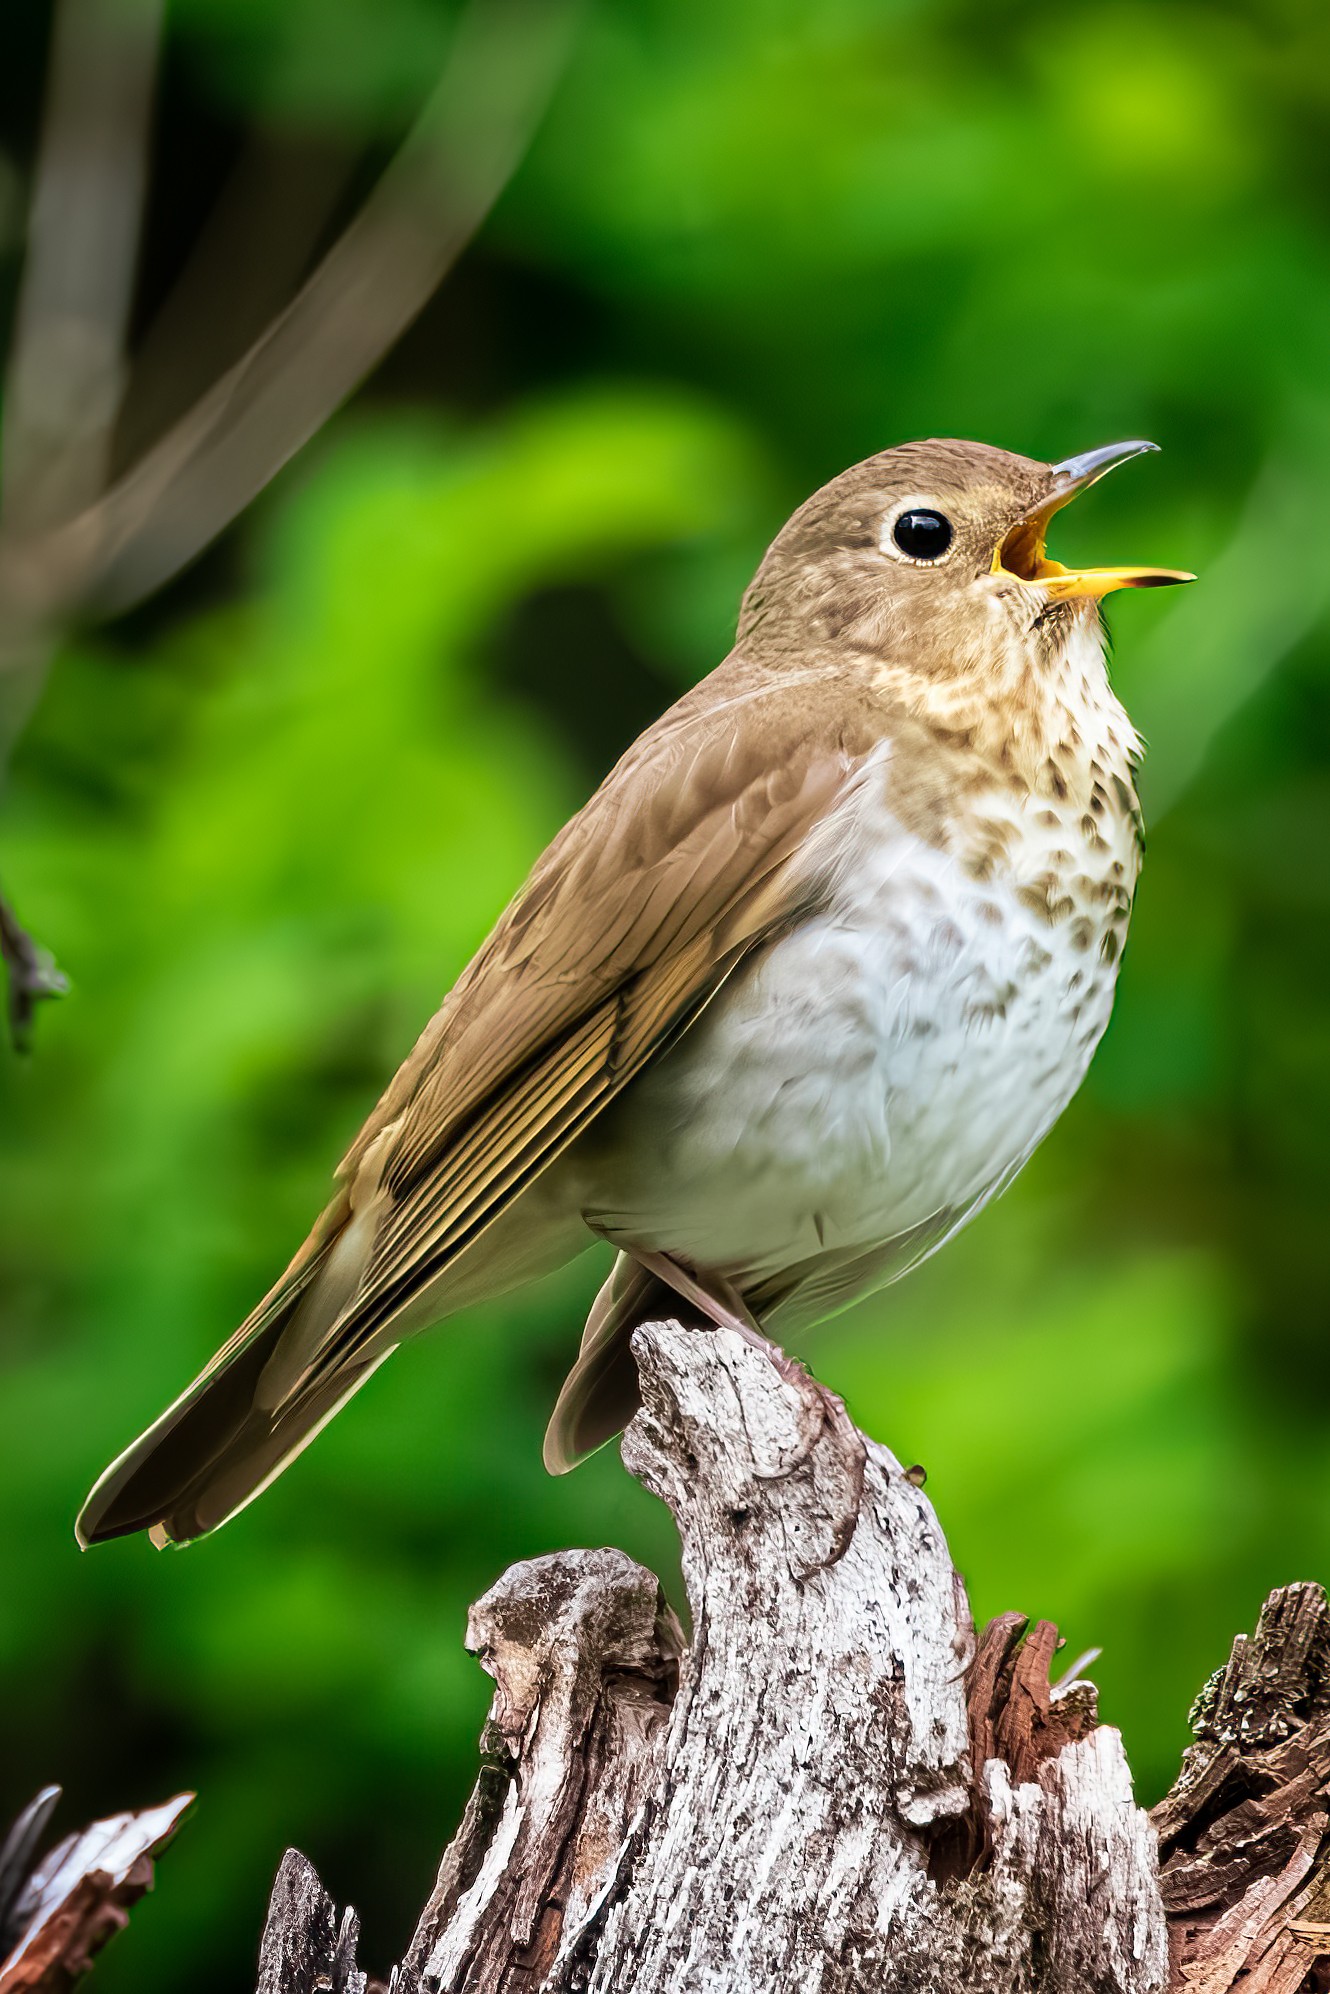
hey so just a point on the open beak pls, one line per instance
(1019, 556)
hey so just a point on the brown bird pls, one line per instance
(794, 995)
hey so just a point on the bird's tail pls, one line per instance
(600, 1395)
(255, 1407)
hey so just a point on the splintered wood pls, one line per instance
(57, 1913)
(1245, 1834)
(831, 1786)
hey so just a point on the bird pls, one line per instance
(782, 1007)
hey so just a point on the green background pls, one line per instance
(264, 821)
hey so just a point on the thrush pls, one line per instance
(788, 1002)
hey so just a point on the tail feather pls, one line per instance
(246, 1416)
(262, 1449)
(601, 1393)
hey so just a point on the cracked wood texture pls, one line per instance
(57, 1914)
(833, 1786)
(795, 1800)
(1244, 1836)
(816, 1771)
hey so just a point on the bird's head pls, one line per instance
(932, 555)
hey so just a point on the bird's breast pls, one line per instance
(896, 1055)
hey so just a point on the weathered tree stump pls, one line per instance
(834, 1786)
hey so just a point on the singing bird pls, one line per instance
(788, 1002)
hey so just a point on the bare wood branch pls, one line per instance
(585, 1654)
(17, 1857)
(829, 1687)
(303, 1943)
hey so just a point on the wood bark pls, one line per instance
(57, 1913)
(1244, 1836)
(834, 1785)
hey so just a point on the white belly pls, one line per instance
(884, 1067)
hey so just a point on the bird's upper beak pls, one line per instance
(1019, 556)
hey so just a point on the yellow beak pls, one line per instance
(1019, 556)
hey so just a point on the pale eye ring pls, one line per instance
(918, 532)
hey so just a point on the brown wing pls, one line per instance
(686, 857)
(691, 853)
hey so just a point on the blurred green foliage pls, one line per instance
(264, 821)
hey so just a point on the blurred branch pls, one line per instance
(66, 368)
(374, 281)
(377, 277)
(70, 549)
(250, 256)
(32, 974)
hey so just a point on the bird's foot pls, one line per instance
(723, 1304)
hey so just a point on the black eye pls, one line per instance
(923, 535)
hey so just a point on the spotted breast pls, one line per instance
(881, 1071)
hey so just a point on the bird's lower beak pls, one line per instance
(1019, 556)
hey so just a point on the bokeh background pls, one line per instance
(264, 819)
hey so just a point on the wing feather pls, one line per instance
(691, 854)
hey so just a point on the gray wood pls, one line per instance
(304, 1946)
(805, 1811)
(585, 1657)
(817, 1768)
(834, 1786)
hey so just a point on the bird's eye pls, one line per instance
(922, 534)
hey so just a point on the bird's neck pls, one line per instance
(1019, 775)
(1036, 722)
